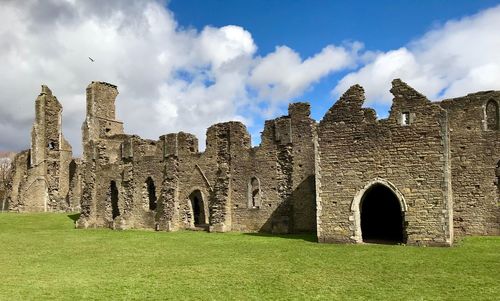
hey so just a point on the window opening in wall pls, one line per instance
(492, 118)
(113, 190)
(151, 194)
(198, 208)
(405, 118)
(254, 193)
(51, 145)
(381, 216)
(497, 171)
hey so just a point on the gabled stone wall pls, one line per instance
(356, 151)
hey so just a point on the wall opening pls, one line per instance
(198, 213)
(381, 216)
(113, 191)
(492, 118)
(151, 194)
(405, 118)
(51, 145)
(497, 173)
(254, 195)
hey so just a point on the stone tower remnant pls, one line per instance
(41, 176)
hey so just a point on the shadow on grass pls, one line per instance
(305, 237)
(74, 217)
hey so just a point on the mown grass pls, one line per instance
(43, 258)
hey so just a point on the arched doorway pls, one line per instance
(198, 209)
(381, 216)
(378, 213)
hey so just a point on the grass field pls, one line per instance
(43, 258)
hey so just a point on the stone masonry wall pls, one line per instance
(41, 180)
(355, 150)
(220, 176)
(440, 160)
(475, 156)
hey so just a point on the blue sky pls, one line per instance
(307, 26)
(183, 65)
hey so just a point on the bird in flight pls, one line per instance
(91, 59)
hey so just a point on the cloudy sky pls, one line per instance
(186, 64)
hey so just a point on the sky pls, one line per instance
(183, 65)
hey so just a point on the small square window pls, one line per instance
(405, 118)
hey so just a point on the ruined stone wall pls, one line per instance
(220, 177)
(303, 176)
(41, 178)
(475, 157)
(102, 137)
(355, 151)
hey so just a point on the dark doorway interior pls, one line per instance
(114, 199)
(198, 208)
(381, 216)
(151, 194)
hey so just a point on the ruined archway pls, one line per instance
(199, 218)
(379, 210)
(113, 192)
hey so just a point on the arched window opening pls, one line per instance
(151, 193)
(52, 145)
(254, 194)
(113, 191)
(492, 118)
(198, 209)
(381, 216)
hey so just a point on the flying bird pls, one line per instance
(91, 59)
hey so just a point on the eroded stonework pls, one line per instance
(437, 162)
(42, 177)
(168, 184)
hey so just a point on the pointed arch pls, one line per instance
(199, 209)
(356, 205)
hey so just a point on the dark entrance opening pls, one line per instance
(381, 216)
(113, 190)
(198, 208)
(151, 194)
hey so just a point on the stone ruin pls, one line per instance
(42, 175)
(428, 173)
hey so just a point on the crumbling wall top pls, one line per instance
(104, 84)
(349, 108)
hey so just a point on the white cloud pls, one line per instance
(283, 74)
(460, 57)
(169, 78)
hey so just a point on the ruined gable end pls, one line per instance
(349, 108)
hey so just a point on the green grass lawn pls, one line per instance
(43, 257)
